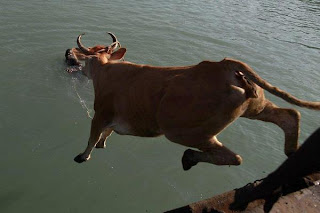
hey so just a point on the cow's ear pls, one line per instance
(119, 54)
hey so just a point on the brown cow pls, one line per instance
(190, 105)
(74, 55)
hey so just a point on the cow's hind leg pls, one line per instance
(287, 119)
(103, 138)
(97, 126)
(213, 152)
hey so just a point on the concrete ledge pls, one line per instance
(304, 200)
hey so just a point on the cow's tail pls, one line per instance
(253, 76)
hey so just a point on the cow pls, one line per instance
(189, 105)
(73, 56)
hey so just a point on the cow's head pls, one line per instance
(113, 52)
(74, 56)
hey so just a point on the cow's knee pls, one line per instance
(103, 138)
(100, 145)
(238, 160)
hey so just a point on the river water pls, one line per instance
(44, 110)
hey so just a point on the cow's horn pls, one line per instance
(114, 38)
(81, 47)
(115, 42)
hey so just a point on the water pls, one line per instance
(43, 109)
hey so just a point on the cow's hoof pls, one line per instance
(79, 159)
(187, 161)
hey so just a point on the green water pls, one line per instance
(43, 109)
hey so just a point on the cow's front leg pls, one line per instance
(97, 126)
(103, 138)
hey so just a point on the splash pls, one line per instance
(82, 101)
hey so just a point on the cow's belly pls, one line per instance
(121, 128)
(124, 127)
